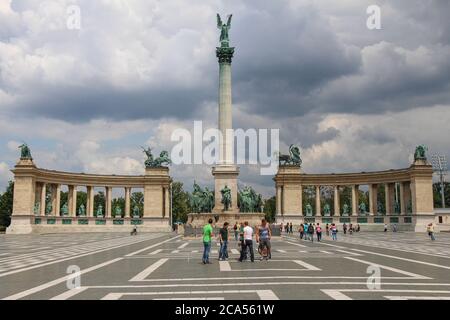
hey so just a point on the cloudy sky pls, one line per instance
(354, 99)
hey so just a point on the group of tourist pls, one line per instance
(286, 228)
(307, 231)
(242, 233)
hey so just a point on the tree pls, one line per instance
(137, 199)
(118, 202)
(81, 200)
(99, 199)
(6, 205)
(270, 209)
(180, 203)
(437, 196)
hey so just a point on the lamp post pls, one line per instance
(439, 163)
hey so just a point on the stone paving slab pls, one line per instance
(168, 266)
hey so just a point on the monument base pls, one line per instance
(225, 175)
(197, 220)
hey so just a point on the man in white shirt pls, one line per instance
(248, 242)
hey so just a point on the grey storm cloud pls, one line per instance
(290, 61)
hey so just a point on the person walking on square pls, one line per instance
(301, 230)
(311, 232)
(290, 228)
(248, 243)
(430, 230)
(223, 234)
(281, 228)
(318, 232)
(344, 227)
(305, 228)
(333, 231)
(263, 237)
(207, 235)
(358, 228)
(327, 230)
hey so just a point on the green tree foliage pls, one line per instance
(99, 199)
(270, 209)
(118, 202)
(81, 199)
(438, 197)
(137, 199)
(6, 205)
(180, 203)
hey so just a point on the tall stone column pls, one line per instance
(225, 173)
(278, 200)
(57, 203)
(337, 204)
(166, 202)
(318, 209)
(108, 202)
(389, 193)
(402, 199)
(72, 201)
(127, 201)
(90, 201)
(355, 199)
(373, 189)
(43, 202)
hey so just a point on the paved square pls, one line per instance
(166, 266)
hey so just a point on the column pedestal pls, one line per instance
(225, 175)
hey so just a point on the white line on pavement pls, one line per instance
(307, 265)
(152, 246)
(263, 294)
(69, 258)
(414, 275)
(337, 294)
(224, 266)
(69, 294)
(144, 274)
(58, 281)
(156, 252)
(234, 251)
(183, 245)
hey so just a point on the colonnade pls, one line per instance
(403, 199)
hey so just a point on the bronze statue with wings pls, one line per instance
(224, 39)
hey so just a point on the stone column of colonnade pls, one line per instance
(108, 201)
(405, 196)
(166, 202)
(318, 209)
(373, 200)
(355, 200)
(43, 202)
(390, 198)
(72, 200)
(278, 201)
(90, 201)
(337, 203)
(56, 200)
(127, 201)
